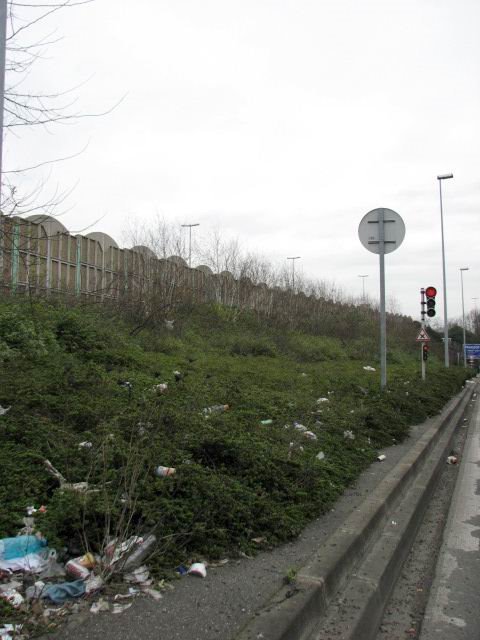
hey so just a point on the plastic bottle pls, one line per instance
(216, 408)
(138, 555)
(20, 546)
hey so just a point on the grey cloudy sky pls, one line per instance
(280, 122)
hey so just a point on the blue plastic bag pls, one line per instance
(58, 593)
(20, 546)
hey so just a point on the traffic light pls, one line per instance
(430, 294)
(425, 351)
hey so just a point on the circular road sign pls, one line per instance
(394, 230)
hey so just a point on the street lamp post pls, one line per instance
(445, 176)
(293, 258)
(363, 285)
(462, 269)
(197, 224)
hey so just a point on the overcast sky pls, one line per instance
(280, 122)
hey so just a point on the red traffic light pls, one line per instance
(430, 292)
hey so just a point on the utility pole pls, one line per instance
(293, 258)
(197, 224)
(363, 283)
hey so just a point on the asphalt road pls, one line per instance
(453, 610)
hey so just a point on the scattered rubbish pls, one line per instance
(452, 460)
(4, 410)
(140, 575)
(126, 384)
(320, 400)
(368, 368)
(120, 608)
(80, 487)
(20, 546)
(85, 445)
(13, 597)
(259, 540)
(153, 593)
(99, 606)
(381, 457)
(76, 569)
(320, 456)
(220, 563)
(349, 435)
(178, 375)
(6, 631)
(299, 427)
(181, 570)
(304, 375)
(59, 593)
(144, 548)
(160, 388)
(93, 583)
(164, 472)
(53, 568)
(35, 591)
(216, 408)
(31, 563)
(269, 421)
(169, 324)
(310, 435)
(13, 584)
(31, 510)
(198, 569)
(394, 523)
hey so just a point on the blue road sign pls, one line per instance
(472, 350)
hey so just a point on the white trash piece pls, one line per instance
(310, 435)
(85, 445)
(299, 427)
(169, 324)
(4, 410)
(368, 368)
(198, 569)
(320, 456)
(349, 435)
(381, 457)
(164, 472)
(160, 388)
(320, 400)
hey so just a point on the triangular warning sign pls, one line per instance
(423, 336)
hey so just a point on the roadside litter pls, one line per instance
(6, 631)
(178, 376)
(320, 456)
(310, 435)
(216, 408)
(265, 422)
(169, 324)
(160, 388)
(80, 487)
(4, 410)
(198, 569)
(164, 472)
(381, 457)
(368, 368)
(452, 460)
(85, 445)
(299, 427)
(349, 435)
(321, 400)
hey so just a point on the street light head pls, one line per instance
(445, 176)
(464, 268)
(293, 257)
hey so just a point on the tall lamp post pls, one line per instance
(445, 176)
(197, 224)
(363, 284)
(462, 269)
(293, 258)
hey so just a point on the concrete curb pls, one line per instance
(293, 613)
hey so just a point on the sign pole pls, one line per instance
(383, 317)
(379, 237)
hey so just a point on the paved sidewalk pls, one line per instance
(453, 610)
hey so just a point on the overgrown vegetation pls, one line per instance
(63, 372)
